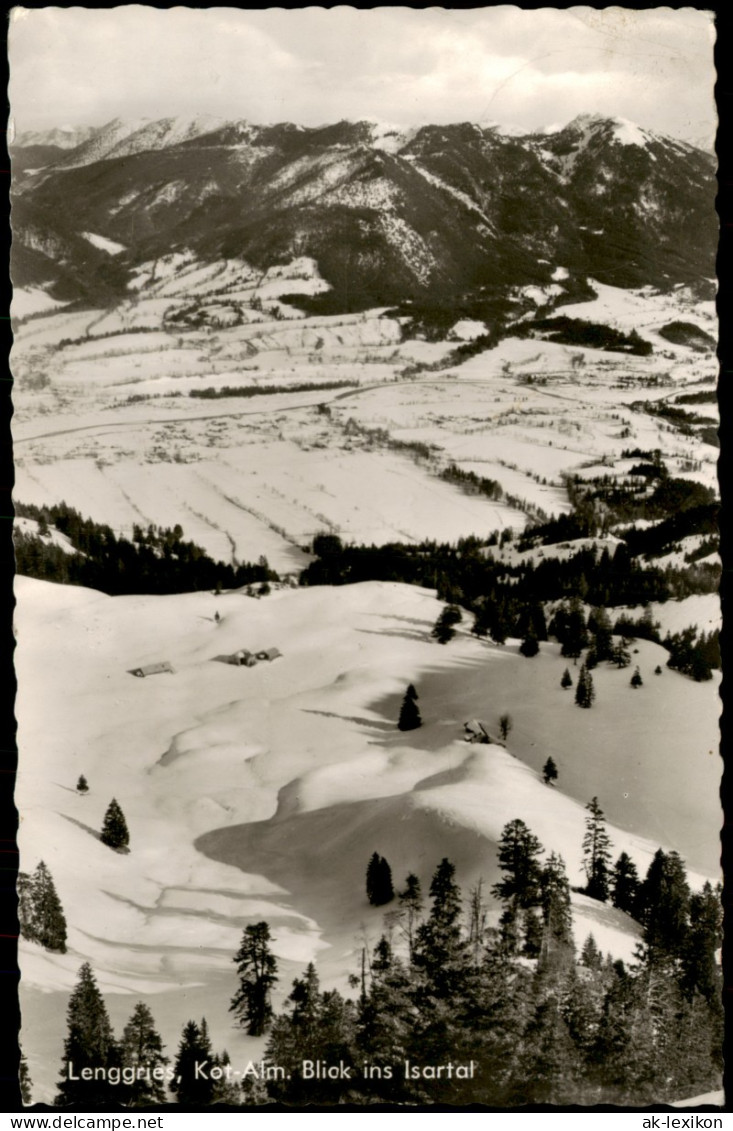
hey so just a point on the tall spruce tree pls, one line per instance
(141, 1050)
(190, 1087)
(49, 922)
(548, 1069)
(114, 830)
(411, 903)
(557, 937)
(257, 970)
(89, 1044)
(596, 852)
(599, 624)
(379, 887)
(440, 951)
(584, 690)
(321, 1023)
(664, 904)
(477, 914)
(625, 885)
(574, 630)
(519, 852)
(700, 970)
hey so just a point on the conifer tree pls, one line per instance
(530, 645)
(700, 970)
(412, 902)
(141, 1049)
(386, 1024)
(620, 655)
(89, 1044)
(584, 691)
(49, 923)
(409, 712)
(557, 936)
(257, 970)
(548, 1069)
(306, 999)
(482, 621)
(443, 629)
(625, 885)
(636, 680)
(574, 632)
(226, 1090)
(596, 854)
(321, 1023)
(533, 933)
(189, 1087)
(440, 951)
(567, 680)
(664, 903)
(590, 955)
(549, 772)
(476, 920)
(383, 956)
(519, 851)
(114, 830)
(600, 625)
(82, 785)
(509, 930)
(379, 886)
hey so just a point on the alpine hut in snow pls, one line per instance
(243, 658)
(269, 654)
(152, 669)
(475, 731)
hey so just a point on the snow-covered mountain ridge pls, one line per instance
(387, 213)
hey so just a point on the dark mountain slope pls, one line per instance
(445, 211)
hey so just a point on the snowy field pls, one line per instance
(106, 421)
(268, 827)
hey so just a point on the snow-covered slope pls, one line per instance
(261, 793)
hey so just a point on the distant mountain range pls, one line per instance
(429, 214)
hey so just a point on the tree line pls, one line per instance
(519, 1015)
(156, 560)
(467, 572)
(538, 1023)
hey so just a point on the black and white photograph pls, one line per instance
(366, 437)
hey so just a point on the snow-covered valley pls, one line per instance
(260, 793)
